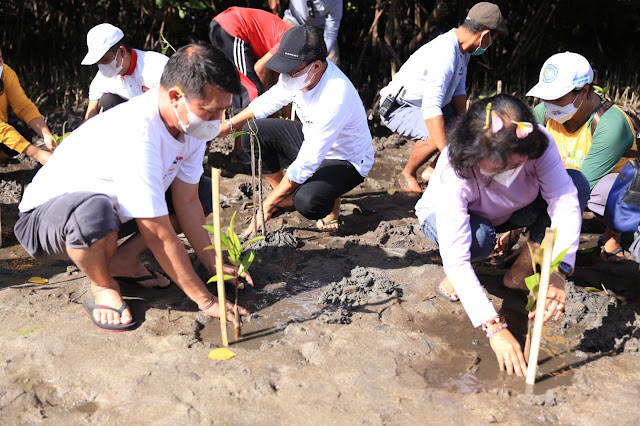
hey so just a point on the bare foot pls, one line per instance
(112, 298)
(514, 278)
(409, 184)
(138, 270)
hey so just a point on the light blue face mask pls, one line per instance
(480, 50)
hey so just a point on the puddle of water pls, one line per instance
(276, 308)
(471, 364)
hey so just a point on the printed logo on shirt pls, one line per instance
(460, 71)
(173, 167)
(144, 89)
(572, 159)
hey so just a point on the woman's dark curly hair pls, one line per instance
(469, 142)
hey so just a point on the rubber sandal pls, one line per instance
(137, 280)
(441, 293)
(89, 306)
(327, 226)
(609, 256)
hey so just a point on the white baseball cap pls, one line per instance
(100, 39)
(560, 74)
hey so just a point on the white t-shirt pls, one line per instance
(433, 75)
(328, 14)
(146, 75)
(334, 123)
(126, 153)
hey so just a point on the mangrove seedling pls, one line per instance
(231, 242)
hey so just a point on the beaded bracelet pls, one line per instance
(502, 327)
(210, 304)
(495, 320)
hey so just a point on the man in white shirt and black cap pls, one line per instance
(329, 151)
(434, 76)
(124, 72)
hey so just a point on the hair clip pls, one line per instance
(486, 124)
(523, 128)
(496, 122)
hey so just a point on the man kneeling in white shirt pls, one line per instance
(328, 152)
(77, 209)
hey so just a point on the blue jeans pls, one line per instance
(533, 216)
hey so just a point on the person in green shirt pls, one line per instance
(567, 111)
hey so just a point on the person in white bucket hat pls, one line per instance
(592, 135)
(123, 73)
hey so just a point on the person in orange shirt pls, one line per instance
(12, 142)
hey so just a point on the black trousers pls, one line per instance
(281, 141)
(109, 100)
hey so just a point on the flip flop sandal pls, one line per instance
(610, 256)
(137, 280)
(327, 226)
(441, 293)
(89, 306)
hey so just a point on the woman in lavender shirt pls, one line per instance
(500, 171)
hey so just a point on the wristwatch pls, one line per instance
(565, 268)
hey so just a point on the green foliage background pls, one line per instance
(45, 40)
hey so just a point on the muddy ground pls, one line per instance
(345, 329)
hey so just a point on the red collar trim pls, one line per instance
(134, 62)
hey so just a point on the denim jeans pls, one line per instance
(533, 216)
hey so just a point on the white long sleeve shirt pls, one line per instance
(334, 123)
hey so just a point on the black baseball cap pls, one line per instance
(298, 45)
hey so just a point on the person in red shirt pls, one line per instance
(249, 38)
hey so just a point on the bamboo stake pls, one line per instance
(222, 300)
(532, 365)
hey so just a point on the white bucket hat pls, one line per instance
(100, 39)
(560, 74)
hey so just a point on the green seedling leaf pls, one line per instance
(238, 133)
(531, 303)
(209, 228)
(253, 240)
(593, 289)
(225, 277)
(532, 282)
(30, 330)
(211, 247)
(558, 260)
(221, 354)
(37, 280)
(246, 262)
(181, 13)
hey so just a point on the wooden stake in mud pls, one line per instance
(217, 241)
(532, 365)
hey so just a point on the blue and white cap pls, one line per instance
(560, 74)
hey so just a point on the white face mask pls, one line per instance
(110, 70)
(299, 82)
(197, 127)
(505, 178)
(562, 114)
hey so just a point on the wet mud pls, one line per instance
(344, 328)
